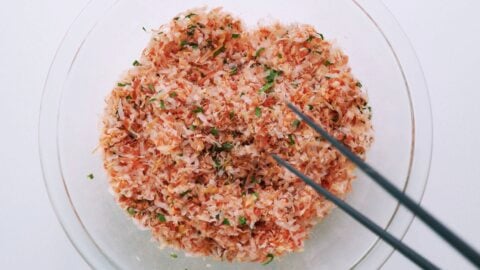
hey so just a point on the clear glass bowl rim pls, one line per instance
(85, 22)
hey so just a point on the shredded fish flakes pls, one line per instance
(188, 130)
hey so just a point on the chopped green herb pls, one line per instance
(143, 27)
(150, 86)
(226, 222)
(173, 255)
(216, 164)
(90, 176)
(258, 111)
(242, 221)
(255, 194)
(327, 63)
(184, 43)
(321, 36)
(132, 211)
(162, 104)
(235, 35)
(231, 114)
(191, 29)
(358, 84)
(241, 94)
(296, 123)
(328, 77)
(123, 84)
(279, 55)
(192, 127)
(161, 217)
(173, 94)
(269, 259)
(259, 51)
(310, 107)
(272, 74)
(214, 131)
(136, 63)
(294, 84)
(128, 97)
(266, 87)
(185, 193)
(270, 78)
(310, 38)
(190, 15)
(176, 18)
(198, 109)
(318, 52)
(253, 180)
(291, 140)
(233, 70)
(219, 51)
(201, 25)
(227, 146)
(152, 100)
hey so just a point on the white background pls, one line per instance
(444, 33)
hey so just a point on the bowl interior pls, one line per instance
(117, 39)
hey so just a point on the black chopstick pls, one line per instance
(368, 223)
(461, 246)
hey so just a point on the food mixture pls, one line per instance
(189, 129)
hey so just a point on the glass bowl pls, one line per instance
(102, 43)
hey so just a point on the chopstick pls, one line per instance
(455, 241)
(368, 223)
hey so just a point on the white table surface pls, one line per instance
(444, 33)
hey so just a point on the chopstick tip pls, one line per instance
(274, 156)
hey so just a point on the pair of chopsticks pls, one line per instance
(454, 240)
